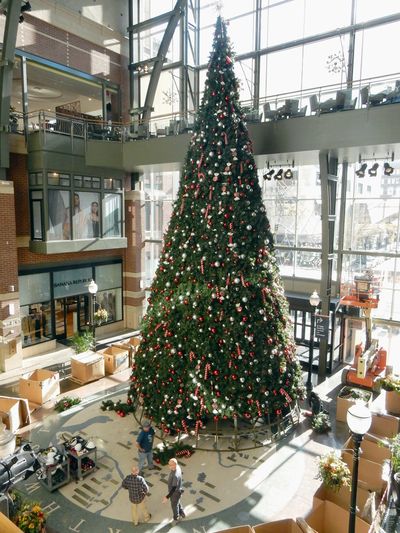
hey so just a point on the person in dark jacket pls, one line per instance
(144, 444)
(175, 490)
(138, 489)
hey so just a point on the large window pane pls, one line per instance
(281, 22)
(167, 96)
(316, 19)
(151, 256)
(242, 41)
(372, 55)
(59, 215)
(370, 9)
(273, 80)
(308, 264)
(325, 62)
(112, 215)
(108, 276)
(86, 217)
(309, 231)
(244, 71)
(34, 288)
(35, 323)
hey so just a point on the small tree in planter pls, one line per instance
(391, 384)
(82, 342)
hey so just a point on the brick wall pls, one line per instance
(8, 241)
(18, 174)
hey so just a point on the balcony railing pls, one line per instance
(366, 93)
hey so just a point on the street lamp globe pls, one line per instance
(359, 419)
(314, 299)
(92, 287)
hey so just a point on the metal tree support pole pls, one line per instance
(354, 482)
(93, 321)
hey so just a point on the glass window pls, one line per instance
(34, 288)
(86, 215)
(308, 264)
(316, 19)
(36, 178)
(309, 229)
(37, 219)
(87, 182)
(112, 215)
(272, 82)
(108, 183)
(36, 323)
(78, 181)
(152, 8)
(53, 178)
(59, 215)
(242, 41)
(96, 183)
(325, 62)
(108, 276)
(371, 57)
(281, 22)
(244, 71)
(167, 96)
(111, 301)
(370, 9)
(151, 256)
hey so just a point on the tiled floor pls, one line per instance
(221, 488)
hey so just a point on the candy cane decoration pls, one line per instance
(258, 408)
(263, 294)
(210, 193)
(191, 356)
(285, 394)
(241, 167)
(242, 280)
(228, 279)
(225, 137)
(201, 176)
(184, 425)
(207, 210)
(207, 370)
(200, 161)
(238, 349)
(202, 266)
(182, 205)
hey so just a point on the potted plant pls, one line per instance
(30, 518)
(82, 342)
(391, 384)
(321, 422)
(347, 397)
(333, 471)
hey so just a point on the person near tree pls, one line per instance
(217, 340)
(175, 490)
(138, 490)
(144, 444)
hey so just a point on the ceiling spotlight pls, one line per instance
(361, 171)
(278, 175)
(288, 174)
(268, 175)
(388, 169)
(373, 170)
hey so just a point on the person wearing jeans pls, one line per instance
(144, 443)
(175, 490)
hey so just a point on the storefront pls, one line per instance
(55, 303)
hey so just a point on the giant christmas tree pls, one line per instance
(216, 336)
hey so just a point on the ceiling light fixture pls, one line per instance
(361, 171)
(373, 170)
(278, 175)
(388, 169)
(288, 174)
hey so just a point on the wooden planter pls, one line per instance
(392, 402)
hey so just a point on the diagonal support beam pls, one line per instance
(162, 52)
(13, 8)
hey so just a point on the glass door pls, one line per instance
(71, 315)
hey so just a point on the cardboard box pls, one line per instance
(327, 517)
(40, 386)
(281, 526)
(342, 497)
(87, 366)
(343, 403)
(385, 426)
(370, 450)
(392, 402)
(116, 358)
(368, 472)
(237, 529)
(14, 412)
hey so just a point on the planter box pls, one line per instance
(343, 403)
(342, 497)
(281, 526)
(370, 450)
(384, 425)
(392, 402)
(368, 472)
(14, 412)
(40, 386)
(87, 366)
(237, 529)
(326, 517)
(116, 359)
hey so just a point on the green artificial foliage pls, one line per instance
(121, 408)
(217, 339)
(321, 423)
(178, 449)
(66, 403)
(390, 383)
(82, 342)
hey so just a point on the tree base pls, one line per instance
(228, 435)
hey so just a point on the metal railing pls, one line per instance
(365, 93)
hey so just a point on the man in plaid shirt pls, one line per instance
(138, 489)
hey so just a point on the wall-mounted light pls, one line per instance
(268, 175)
(373, 170)
(288, 174)
(388, 170)
(361, 171)
(278, 175)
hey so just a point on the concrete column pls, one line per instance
(133, 269)
(10, 321)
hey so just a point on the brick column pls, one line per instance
(10, 322)
(133, 268)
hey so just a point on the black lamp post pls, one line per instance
(93, 288)
(314, 302)
(359, 421)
